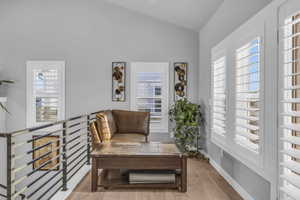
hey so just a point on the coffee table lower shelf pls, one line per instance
(122, 182)
(137, 156)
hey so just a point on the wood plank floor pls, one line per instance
(204, 183)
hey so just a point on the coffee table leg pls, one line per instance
(94, 178)
(183, 174)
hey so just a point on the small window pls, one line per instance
(219, 96)
(45, 92)
(149, 92)
(149, 98)
(247, 112)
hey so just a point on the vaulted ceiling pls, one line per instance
(192, 14)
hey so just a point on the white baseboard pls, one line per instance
(236, 186)
(204, 154)
(62, 195)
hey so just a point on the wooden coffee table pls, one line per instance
(137, 156)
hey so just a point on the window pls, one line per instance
(247, 111)
(149, 97)
(45, 92)
(290, 160)
(219, 96)
(149, 92)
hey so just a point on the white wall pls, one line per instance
(88, 35)
(3, 101)
(228, 17)
(2, 148)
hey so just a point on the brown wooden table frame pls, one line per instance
(138, 162)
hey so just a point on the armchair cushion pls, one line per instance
(96, 138)
(128, 137)
(106, 124)
(131, 121)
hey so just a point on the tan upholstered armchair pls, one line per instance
(121, 126)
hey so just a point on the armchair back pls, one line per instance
(122, 124)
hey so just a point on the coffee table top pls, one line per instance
(136, 149)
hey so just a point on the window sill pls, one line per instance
(253, 160)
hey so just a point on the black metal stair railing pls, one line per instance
(3, 187)
(36, 168)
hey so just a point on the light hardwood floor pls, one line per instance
(204, 183)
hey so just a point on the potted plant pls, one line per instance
(187, 118)
(1, 83)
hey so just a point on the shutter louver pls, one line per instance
(46, 92)
(149, 94)
(248, 95)
(290, 165)
(219, 97)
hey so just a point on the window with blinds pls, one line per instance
(248, 95)
(149, 94)
(290, 165)
(45, 92)
(219, 96)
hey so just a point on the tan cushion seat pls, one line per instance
(128, 137)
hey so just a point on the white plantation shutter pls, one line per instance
(149, 91)
(45, 92)
(290, 136)
(149, 94)
(219, 96)
(248, 95)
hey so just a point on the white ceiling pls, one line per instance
(192, 14)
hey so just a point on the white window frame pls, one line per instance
(252, 159)
(135, 67)
(217, 54)
(30, 102)
(237, 39)
(287, 10)
(248, 155)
